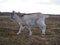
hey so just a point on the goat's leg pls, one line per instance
(43, 26)
(43, 29)
(20, 29)
(30, 32)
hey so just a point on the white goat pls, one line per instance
(34, 19)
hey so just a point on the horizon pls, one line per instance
(27, 13)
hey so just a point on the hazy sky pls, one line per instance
(31, 6)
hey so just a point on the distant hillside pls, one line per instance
(9, 13)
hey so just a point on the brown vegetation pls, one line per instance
(8, 30)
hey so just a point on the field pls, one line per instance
(8, 30)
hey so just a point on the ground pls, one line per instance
(8, 36)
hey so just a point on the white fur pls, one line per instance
(36, 19)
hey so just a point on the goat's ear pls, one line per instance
(13, 12)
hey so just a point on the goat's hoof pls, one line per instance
(30, 34)
(43, 35)
(17, 33)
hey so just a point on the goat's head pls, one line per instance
(13, 16)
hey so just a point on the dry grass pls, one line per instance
(9, 29)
